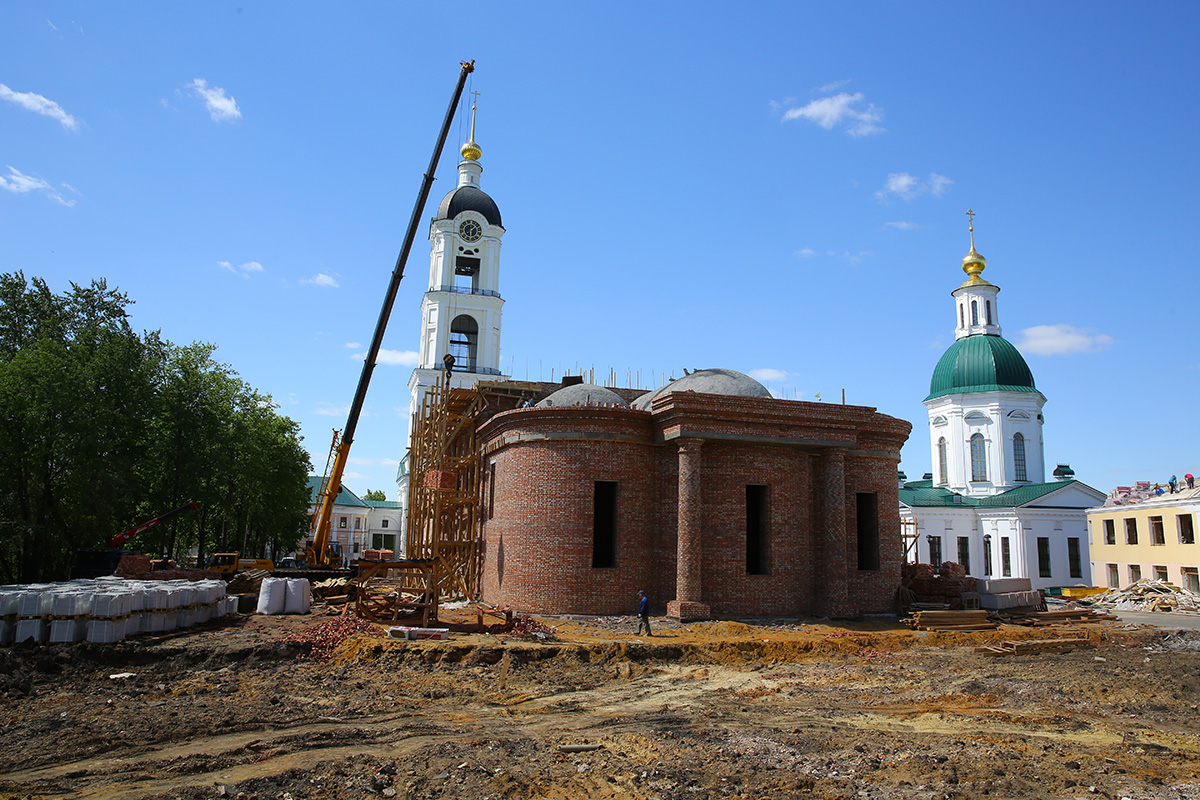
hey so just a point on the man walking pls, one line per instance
(643, 612)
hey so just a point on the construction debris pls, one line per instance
(1034, 646)
(1066, 616)
(1149, 594)
(328, 636)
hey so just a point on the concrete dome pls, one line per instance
(708, 381)
(582, 394)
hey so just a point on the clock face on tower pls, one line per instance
(470, 231)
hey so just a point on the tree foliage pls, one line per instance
(102, 428)
(374, 494)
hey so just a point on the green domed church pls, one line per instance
(987, 504)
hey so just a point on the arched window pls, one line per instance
(943, 472)
(1019, 457)
(464, 342)
(987, 311)
(978, 458)
(974, 312)
(961, 322)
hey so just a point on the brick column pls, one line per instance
(831, 576)
(689, 558)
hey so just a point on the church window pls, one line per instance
(1019, 457)
(987, 556)
(604, 525)
(867, 520)
(756, 529)
(961, 323)
(1074, 561)
(1043, 550)
(974, 312)
(935, 551)
(964, 553)
(464, 342)
(987, 308)
(978, 458)
(1005, 558)
(943, 471)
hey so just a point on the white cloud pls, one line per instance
(908, 187)
(841, 108)
(374, 462)
(833, 87)
(221, 107)
(39, 105)
(1062, 340)
(18, 182)
(768, 375)
(352, 345)
(321, 279)
(902, 226)
(393, 358)
(805, 252)
(249, 266)
(330, 410)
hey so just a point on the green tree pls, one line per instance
(374, 494)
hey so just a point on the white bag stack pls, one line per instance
(272, 596)
(299, 596)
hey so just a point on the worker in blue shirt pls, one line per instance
(643, 612)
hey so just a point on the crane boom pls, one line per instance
(320, 554)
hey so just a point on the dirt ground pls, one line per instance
(780, 709)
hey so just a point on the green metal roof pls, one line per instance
(384, 503)
(913, 495)
(345, 496)
(980, 363)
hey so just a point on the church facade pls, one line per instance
(987, 504)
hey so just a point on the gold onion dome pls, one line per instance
(471, 151)
(973, 263)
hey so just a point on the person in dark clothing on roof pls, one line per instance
(643, 612)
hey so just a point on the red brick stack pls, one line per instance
(946, 586)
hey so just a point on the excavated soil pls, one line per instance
(723, 710)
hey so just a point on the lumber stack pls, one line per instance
(1034, 646)
(1067, 616)
(952, 621)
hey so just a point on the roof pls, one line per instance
(707, 381)
(469, 198)
(582, 394)
(980, 363)
(345, 496)
(384, 503)
(920, 493)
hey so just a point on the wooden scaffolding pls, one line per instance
(444, 479)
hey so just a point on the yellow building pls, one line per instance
(1153, 538)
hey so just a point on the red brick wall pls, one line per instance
(538, 544)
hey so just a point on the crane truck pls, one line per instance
(97, 561)
(322, 554)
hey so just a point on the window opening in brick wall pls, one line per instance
(1110, 532)
(491, 510)
(1019, 457)
(1043, 546)
(987, 556)
(1135, 573)
(1187, 533)
(1191, 579)
(943, 470)
(868, 530)
(757, 539)
(1156, 531)
(1114, 579)
(978, 458)
(935, 551)
(1131, 531)
(1160, 573)
(964, 553)
(604, 525)
(1005, 558)
(1073, 557)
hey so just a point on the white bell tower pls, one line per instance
(460, 313)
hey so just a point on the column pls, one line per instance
(831, 576)
(689, 557)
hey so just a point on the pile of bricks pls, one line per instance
(140, 567)
(947, 585)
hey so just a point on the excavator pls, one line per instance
(323, 554)
(94, 562)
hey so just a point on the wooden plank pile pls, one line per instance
(951, 621)
(1149, 595)
(1034, 646)
(1066, 616)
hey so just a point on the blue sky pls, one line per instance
(774, 188)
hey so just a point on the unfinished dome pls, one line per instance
(707, 381)
(582, 394)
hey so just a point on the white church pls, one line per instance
(987, 505)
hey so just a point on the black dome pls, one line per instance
(469, 198)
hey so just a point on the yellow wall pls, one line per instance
(1178, 557)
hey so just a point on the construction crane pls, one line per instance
(321, 555)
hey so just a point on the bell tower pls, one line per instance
(460, 312)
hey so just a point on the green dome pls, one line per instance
(981, 363)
